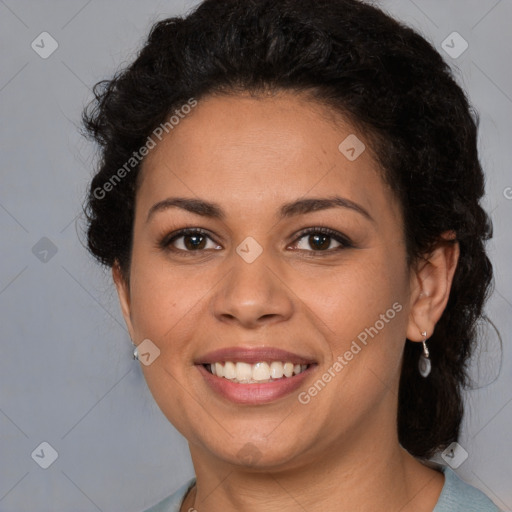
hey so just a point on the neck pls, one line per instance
(366, 469)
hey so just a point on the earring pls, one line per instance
(424, 364)
(135, 352)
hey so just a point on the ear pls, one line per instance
(431, 281)
(123, 292)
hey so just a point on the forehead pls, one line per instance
(247, 149)
(282, 124)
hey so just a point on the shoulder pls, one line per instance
(173, 502)
(456, 496)
(459, 496)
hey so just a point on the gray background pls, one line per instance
(66, 373)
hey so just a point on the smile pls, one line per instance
(254, 375)
(260, 372)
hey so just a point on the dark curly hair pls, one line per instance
(383, 77)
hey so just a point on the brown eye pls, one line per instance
(193, 242)
(317, 242)
(322, 240)
(189, 240)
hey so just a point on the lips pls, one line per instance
(253, 356)
(254, 376)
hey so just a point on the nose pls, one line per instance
(253, 294)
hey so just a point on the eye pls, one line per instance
(196, 240)
(188, 240)
(320, 240)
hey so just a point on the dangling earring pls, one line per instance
(135, 352)
(424, 365)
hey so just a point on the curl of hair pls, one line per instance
(383, 76)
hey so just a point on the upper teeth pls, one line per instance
(245, 372)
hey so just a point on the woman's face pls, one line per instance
(253, 287)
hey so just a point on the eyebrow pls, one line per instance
(299, 207)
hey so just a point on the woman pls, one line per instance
(288, 197)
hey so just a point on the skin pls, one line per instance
(340, 451)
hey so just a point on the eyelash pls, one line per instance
(346, 243)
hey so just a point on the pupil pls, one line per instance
(194, 244)
(313, 239)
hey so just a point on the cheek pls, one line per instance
(353, 297)
(365, 310)
(162, 298)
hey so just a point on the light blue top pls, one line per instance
(456, 496)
